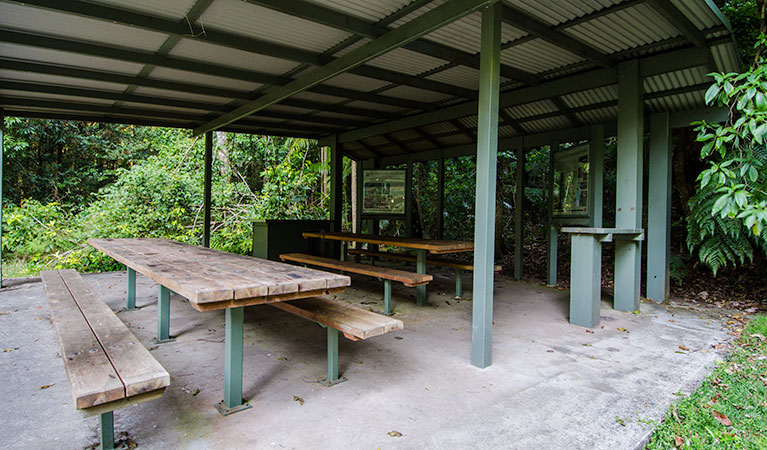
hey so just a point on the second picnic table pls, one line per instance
(210, 280)
(421, 247)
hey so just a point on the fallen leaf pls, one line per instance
(282, 358)
(682, 347)
(399, 338)
(196, 391)
(394, 433)
(47, 386)
(620, 421)
(724, 420)
(760, 336)
(10, 349)
(298, 399)
(623, 329)
(679, 441)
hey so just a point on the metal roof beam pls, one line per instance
(188, 30)
(507, 119)
(561, 106)
(345, 22)
(189, 65)
(94, 75)
(652, 65)
(424, 24)
(679, 21)
(161, 101)
(519, 19)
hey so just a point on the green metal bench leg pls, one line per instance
(232, 402)
(458, 283)
(163, 316)
(107, 431)
(387, 297)
(333, 377)
(420, 267)
(131, 302)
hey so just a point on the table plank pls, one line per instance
(432, 245)
(92, 378)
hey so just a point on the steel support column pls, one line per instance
(420, 267)
(440, 196)
(409, 199)
(233, 402)
(628, 191)
(207, 188)
(107, 430)
(333, 377)
(336, 190)
(131, 289)
(163, 315)
(487, 162)
(596, 174)
(551, 228)
(659, 207)
(519, 211)
(2, 152)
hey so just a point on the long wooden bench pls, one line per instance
(106, 365)
(355, 324)
(459, 266)
(388, 275)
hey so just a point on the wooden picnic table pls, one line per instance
(212, 279)
(421, 247)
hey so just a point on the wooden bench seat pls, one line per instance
(106, 365)
(388, 275)
(355, 324)
(459, 266)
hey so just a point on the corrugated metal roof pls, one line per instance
(27, 53)
(153, 92)
(163, 73)
(174, 9)
(538, 56)
(555, 12)
(412, 93)
(373, 12)
(202, 51)
(55, 80)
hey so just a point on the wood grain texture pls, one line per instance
(92, 379)
(215, 278)
(409, 279)
(432, 245)
(408, 258)
(137, 368)
(348, 319)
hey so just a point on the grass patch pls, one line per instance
(729, 411)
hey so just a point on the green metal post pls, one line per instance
(585, 280)
(409, 199)
(336, 190)
(107, 430)
(387, 297)
(131, 301)
(458, 284)
(420, 267)
(440, 196)
(2, 152)
(596, 174)
(232, 402)
(628, 192)
(207, 188)
(659, 207)
(487, 162)
(519, 211)
(163, 315)
(552, 231)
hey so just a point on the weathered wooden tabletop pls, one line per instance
(432, 245)
(212, 279)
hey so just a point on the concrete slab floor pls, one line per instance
(551, 386)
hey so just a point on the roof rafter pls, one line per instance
(195, 67)
(424, 24)
(345, 22)
(675, 17)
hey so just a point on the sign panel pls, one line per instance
(571, 182)
(383, 192)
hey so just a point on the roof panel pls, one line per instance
(60, 81)
(363, 9)
(466, 77)
(412, 93)
(699, 13)
(537, 56)
(237, 16)
(374, 106)
(26, 53)
(181, 95)
(173, 9)
(555, 12)
(69, 26)
(673, 80)
(7, 97)
(406, 61)
(210, 53)
(356, 82)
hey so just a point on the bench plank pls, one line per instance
(137, 368)
(92, 378)
(432, 245)
(348, 319)
(409, 279)
(408, 258)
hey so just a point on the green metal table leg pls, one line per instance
(420, 267)
(163, 316)
(131, 303)
(458, 284)
(585, 280)
(232, 402)
(344, 246)
(333, 377)
(107, 431)
(387, 297)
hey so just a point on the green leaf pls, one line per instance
(711, 93)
